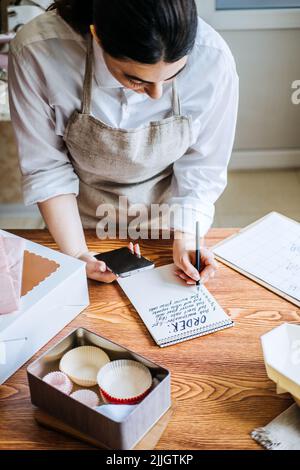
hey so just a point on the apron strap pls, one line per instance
(88, 78)
(176, 99)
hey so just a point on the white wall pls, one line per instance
(268, 131)
(268, 62)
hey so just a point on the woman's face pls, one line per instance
(144, 78)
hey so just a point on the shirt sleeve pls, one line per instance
(200, 176)
(45, 166)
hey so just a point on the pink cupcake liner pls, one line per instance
(87, 397)
(60, 381)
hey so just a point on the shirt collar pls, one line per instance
(103, 76)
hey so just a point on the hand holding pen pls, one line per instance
(185, 257)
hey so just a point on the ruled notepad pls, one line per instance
(267, 251)
(171, 310)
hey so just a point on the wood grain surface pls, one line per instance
(219, 381)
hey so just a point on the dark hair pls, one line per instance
(145, 31)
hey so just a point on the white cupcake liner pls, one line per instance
(117, 413)
(82, 364)
(60, 381)
(87, 397)
(124, 381)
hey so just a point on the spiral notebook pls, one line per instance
(172, 311)
(268, 252)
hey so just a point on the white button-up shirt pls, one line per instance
(46, 71)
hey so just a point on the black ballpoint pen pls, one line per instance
(198, 254)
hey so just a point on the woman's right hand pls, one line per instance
(97, 270)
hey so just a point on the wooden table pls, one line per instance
(218, 381)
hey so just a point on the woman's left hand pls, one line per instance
(185, 257)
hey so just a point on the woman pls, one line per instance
(134, 99)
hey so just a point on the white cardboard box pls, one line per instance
(44, 310)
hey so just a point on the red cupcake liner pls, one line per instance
(124, 381)
(124, 401)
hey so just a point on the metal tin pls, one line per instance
(109, 433)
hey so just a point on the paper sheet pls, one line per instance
(171, 310)
(269, 250)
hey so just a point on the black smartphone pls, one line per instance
(123, 262)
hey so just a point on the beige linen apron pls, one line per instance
(112, 162)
